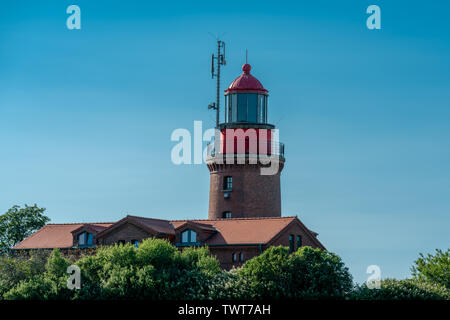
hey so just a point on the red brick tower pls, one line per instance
(245, 160)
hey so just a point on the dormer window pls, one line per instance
(189, 236)
(85, 239)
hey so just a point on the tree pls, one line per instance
(305, 274)
(433, 268)
(18, 223)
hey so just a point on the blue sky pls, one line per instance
(86, 115)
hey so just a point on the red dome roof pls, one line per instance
(246, 82)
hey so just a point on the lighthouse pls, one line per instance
(246, 159)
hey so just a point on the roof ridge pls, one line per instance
(227, 219)
(73, 223)
(147, 218)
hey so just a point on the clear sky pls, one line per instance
(86, 115)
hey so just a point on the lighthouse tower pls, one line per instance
(246, 159)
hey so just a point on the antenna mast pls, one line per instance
(220, 60)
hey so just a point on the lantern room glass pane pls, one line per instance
(242, 107)
(229, 109)
(252, 107)
(261, 106)
(234, 107)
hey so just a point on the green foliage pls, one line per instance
(158, 270)
(408, 289)
(200, 259)
(317, 273)
(154, 270)
(18, 223)
(56, 264)
(308, 274)
(268, 274)
(15, 270)
(229, 285)
(50, 285)
(433, 268)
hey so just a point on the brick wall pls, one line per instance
(252, 195)
(126, 232)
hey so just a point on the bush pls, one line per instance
(408, 289)
(50, 285)
(154, 270)
(229, 285)
(308, 274)
(15, 270)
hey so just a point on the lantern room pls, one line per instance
(246, 99)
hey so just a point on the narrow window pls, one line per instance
(90, 239)
(82, 239)
(234, 257)
(193, 236)
(226, 215)
(241, 257)
(228, 183)
(185, 236)
(299, 242)
(291, 243)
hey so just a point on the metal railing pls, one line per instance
(263, 148)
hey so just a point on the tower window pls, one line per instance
(241, 257)
(226, 215)
(291, 243)
(228, 183)
(299, 242)
(188, 236)
(234, 257)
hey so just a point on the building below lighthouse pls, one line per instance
(245, 162)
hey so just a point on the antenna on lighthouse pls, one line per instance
(216, 62)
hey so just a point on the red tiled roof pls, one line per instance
(243, 230)
(55, 236)
(250, 231)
